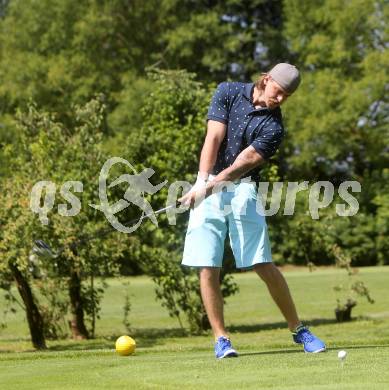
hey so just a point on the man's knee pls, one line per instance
(209, 274)
(266, 271)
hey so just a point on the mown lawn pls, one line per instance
(166, 358)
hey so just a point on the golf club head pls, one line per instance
(42, 249)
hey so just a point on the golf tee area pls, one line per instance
(167, 357)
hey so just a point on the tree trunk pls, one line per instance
(34, 318)
(77, 324)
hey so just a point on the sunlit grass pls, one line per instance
(166, 358)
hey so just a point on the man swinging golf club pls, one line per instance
(244, 129)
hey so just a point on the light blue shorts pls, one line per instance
(233, 210)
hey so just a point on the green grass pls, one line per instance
(165, 358)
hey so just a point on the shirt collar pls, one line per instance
(248, 88)
(247, 93)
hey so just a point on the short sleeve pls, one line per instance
(218, 109)
(269, 139)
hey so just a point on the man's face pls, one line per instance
(274, 94)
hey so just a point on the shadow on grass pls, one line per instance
(277, 325)
(359, 347)
(145, 337)
(149, 337)
(298, 351)
(275, 352)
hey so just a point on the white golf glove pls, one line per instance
(200, 184)
(201, 181)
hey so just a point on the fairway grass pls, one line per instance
(165, 358)
(365, 368)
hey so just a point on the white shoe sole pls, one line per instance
(319, 350)
(229, 353)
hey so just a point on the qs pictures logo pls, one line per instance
(43, 196)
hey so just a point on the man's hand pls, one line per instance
(197, 193)
(247, 160)
(193, 198)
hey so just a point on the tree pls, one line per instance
(17, 226)
(223, 39)
(342, 54)
(57, 52)
(63, 52)
(337, 120)
(48, 150)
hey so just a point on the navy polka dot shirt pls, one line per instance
(261, 128)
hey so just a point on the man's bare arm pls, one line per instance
(216, 132)
(248, 159)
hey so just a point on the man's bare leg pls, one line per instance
(279, 291)
(213, 299)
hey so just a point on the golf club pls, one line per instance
(41, 248)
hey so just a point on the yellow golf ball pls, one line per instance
(125, 345)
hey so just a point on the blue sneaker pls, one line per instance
(223, 348)
(311, 343)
